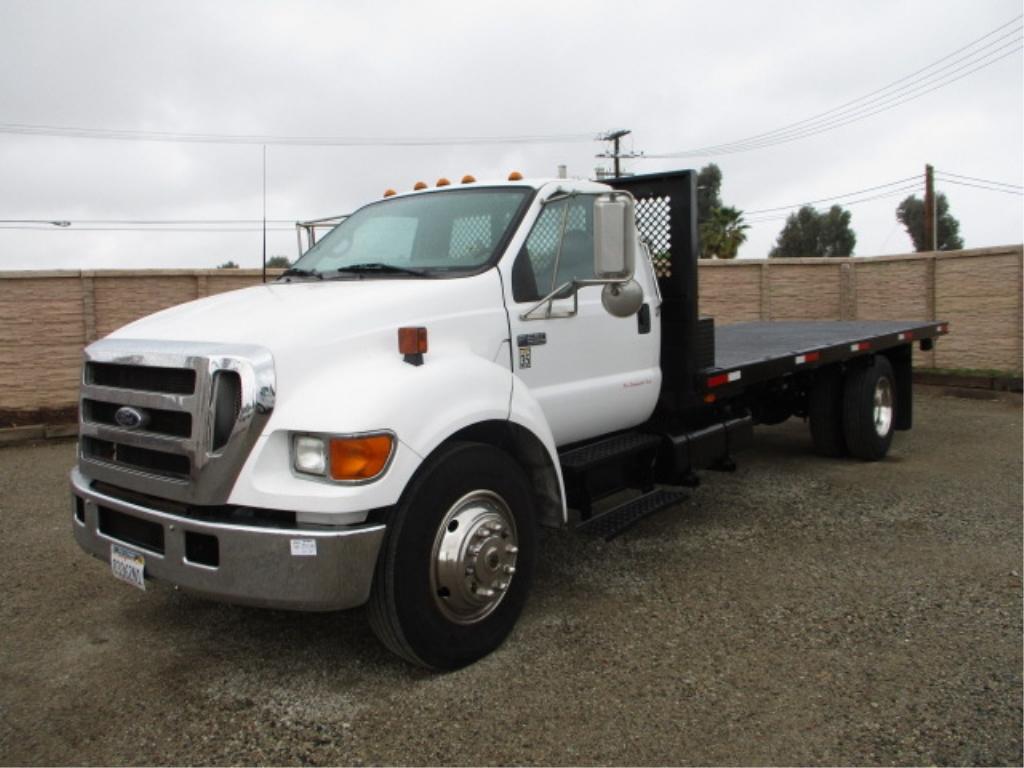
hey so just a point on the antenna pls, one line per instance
(264, 213)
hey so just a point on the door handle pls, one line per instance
(643, 319)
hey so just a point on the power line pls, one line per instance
(837, 197)
(866, 106)
(980, 186)
(51, 228)
(118, 134)
(876, 106)
(76, 222)
(838, 122)
(984, 181)
(890, 193)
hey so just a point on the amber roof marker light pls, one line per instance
(419, 185)
(515, 176)
(468, 178)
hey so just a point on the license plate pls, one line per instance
(128, 565)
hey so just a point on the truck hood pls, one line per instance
(288, 316)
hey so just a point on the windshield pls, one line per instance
(421, 235)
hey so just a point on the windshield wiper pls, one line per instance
(299, 272)
(376, 266)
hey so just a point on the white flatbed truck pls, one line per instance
(390, 420)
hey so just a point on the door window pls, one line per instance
(564, 232)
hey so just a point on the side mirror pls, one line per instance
(614, 236)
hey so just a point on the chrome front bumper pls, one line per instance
(294, 568)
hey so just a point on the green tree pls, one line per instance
(278, 262)
(812, 233)
(227, 265)
(722, 229)
(709, 188)
(910, 213)
(723, 234)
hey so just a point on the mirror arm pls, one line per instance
(575, 285)
(549, 299)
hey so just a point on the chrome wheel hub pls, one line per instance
(883, 406)
(474, 557)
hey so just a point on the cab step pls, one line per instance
(618, 520)
(610, 449)
(608, 466)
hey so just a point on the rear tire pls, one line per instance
(869, 410)
(825, 412)
(457, 561)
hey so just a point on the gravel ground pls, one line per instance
(801, 611)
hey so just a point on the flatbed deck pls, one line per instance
(748, 353)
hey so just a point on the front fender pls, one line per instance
(423, 405)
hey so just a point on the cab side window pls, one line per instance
(533, 274)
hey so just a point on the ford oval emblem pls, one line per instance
(130, 418)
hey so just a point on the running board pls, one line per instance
(618, 520)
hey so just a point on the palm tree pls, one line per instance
(723, 234)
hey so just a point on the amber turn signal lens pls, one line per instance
(412, 341)
(359, 458)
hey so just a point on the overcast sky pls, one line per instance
(680, 75)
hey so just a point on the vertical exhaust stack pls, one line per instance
(666, 218)
(563, 172)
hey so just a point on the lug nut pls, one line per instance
(509, 569)
(511, 549)
(485, 592)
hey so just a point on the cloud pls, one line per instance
(678, 74)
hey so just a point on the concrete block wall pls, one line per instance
(47, 317)
(978, 291)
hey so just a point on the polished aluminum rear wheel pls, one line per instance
(883, 406)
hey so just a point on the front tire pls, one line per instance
(869, 410)
(457, 562)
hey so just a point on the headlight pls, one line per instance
(352, 458)
(310, 455)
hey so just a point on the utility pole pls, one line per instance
(931, 224)
(614, 137)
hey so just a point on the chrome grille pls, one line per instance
(191, 415)
(175, 381)
(160, 421)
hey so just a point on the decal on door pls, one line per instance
(524, 357)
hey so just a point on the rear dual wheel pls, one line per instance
(869, 410)
(854, 414)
